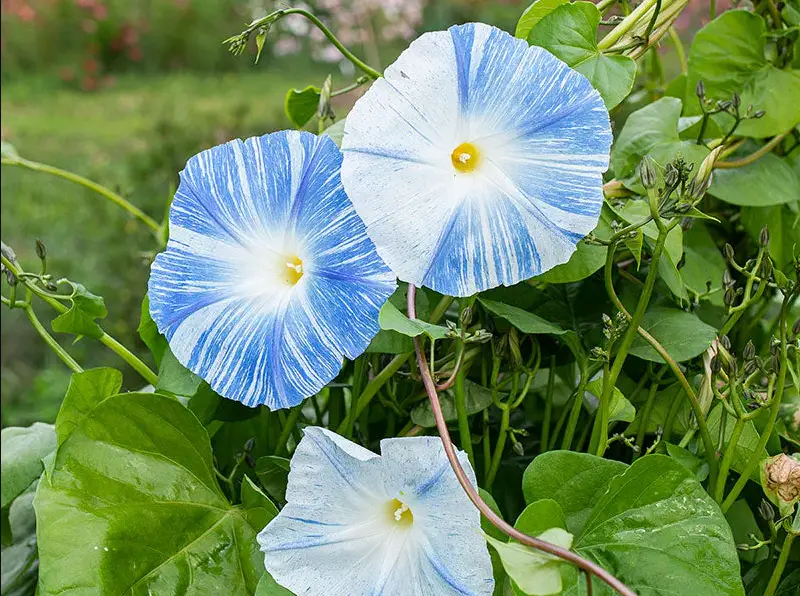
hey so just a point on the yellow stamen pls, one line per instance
(400, 513)
(294, 269)
(466, 157)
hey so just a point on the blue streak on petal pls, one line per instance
(463, 38)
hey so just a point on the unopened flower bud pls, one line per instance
(725, 342)
(518, 449)
(796, 327)
(782, 476)
(736, 100)
(715, 365)
(250, 461)
(750, 367)
(41, 249)
(763, 237)
(671, 177)
(729, 297)
(607, 321)
(766, 510)
(466, 317)
(11, 278)
(759, 114)
(749, 350)
(249, 444)
(700, 89)
(647, 172)
(728, 251)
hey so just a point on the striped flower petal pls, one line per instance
(269, 278)
(476, 161)
(358, 524)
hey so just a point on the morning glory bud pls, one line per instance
(749, 351)
(647, 172)
(41, 250)
(763, 237)
(700, 89)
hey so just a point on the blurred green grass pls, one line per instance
(133, 138)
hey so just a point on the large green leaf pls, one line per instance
(620, 409)
(728, 55)
(539, 516)
(586, 259)
(657, 530)
(783, 223)
(525, 321)
(391, 319)
(269, 587)
(175, 378)
(132, 506)
(148, 331)
(703, 265)
(682, 334)
(21, 456)
(273, 473)
(478, 398)
(570, 33)
(574, 480)
(767, 181)
(652, 131)
(19, 564)
(535, 572)
(533, 14)
(746, 445)
(86, 390)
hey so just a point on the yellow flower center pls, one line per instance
(400, 513)
(293, 269)
(465, 157)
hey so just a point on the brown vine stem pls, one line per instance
(430, 387)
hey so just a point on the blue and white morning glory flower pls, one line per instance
(476, 161)
(359, 524)
(269, 278)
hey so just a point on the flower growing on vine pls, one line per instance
(476, 161)
(269, 278)
(360, 524)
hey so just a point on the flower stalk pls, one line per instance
(430, 387)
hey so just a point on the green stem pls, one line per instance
(371, 390)
(487, 447)
(727, 458)
(498, 448)
(712, 10)
(129, 357)
(107, 340)
(603, 5)
(630, 335)
(548, 405)
(773, 413)
(286, 431)
(91, 185)
(626, 25)
(775, 578)
(279, 14)
(676, 41)
(464, 432)
(648, 409)
(577, 405)
(48, 339)
(702, 425)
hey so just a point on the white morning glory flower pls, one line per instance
(476, 161)
(269, 278)
(359, 524)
